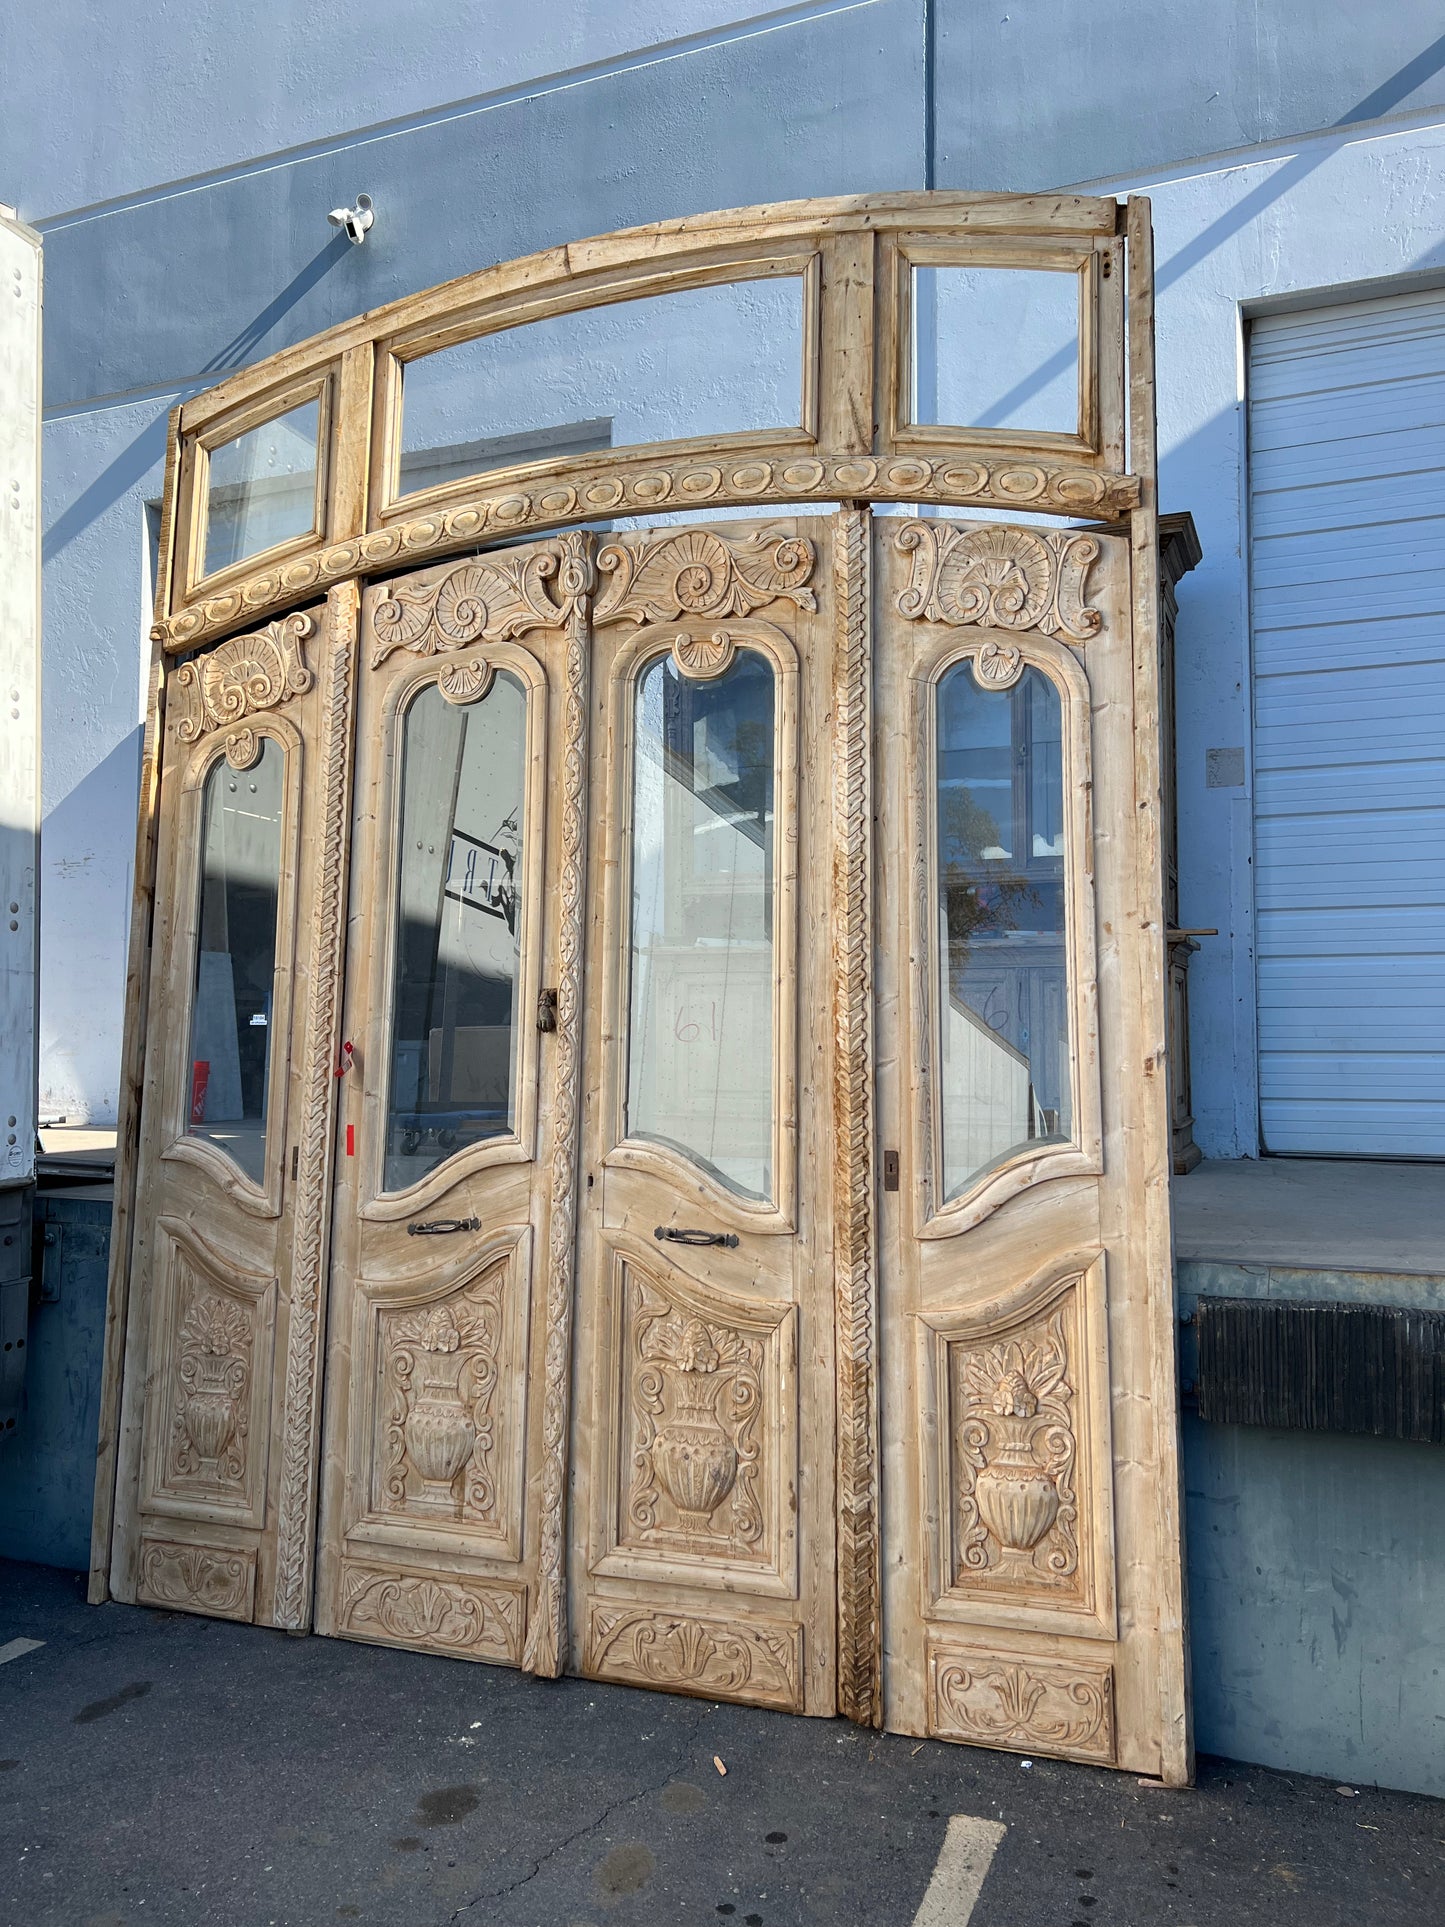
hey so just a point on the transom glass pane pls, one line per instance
(996, 348)
(459, 915)
(700, 362)
(262, 487)
(233, 994)
(1003, 990)
(700, 1064)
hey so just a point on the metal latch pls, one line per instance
(442, 1227)
(671, 1234)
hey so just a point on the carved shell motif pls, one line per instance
(238, 679)
(490, 599)
(692, 572)
(999, 577)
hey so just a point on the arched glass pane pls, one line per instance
(233, 994)
(700, 1066)
(459, 915)
(1003, 990)
(262, 487)
(697, 362)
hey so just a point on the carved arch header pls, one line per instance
(856, 440)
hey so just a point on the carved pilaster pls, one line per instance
(312, 1209)
(547, 1628)
(854, 1230)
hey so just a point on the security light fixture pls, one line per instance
(354, 221)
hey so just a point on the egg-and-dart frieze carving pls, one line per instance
(956, 481)
(1000, 578)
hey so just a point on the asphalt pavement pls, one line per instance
(163, 1769)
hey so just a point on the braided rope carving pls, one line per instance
(312, 1215)
(547, 1630)
(859, 1618)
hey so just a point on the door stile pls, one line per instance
(860, 1695)
(546, 1647)
(315, 1111)
(1148, 1089)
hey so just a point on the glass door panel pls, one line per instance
(458, 927)
(700, 1073)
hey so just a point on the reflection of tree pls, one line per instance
(980, 897)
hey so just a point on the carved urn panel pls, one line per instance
(1020, 1523)
(217, 1321)
(441, 1450)
(699, 1453)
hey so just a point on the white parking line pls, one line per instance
(18, 1648)
(968, 1850)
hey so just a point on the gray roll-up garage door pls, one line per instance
(1347, 506)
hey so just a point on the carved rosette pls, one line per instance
(724, 1659)
(213, 1398)
(439, 1372)
(696, 1399)
(693, 572)
(219, 1580)
(991, 1699)
(1014, 1456)
(999, 578)
(459, 1616)
(239, 679)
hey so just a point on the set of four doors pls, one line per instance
(652, 1130)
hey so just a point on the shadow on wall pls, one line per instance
(84, 929)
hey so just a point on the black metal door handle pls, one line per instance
(672, 1234)
(442, 1227)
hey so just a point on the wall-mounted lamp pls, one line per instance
(355, 221)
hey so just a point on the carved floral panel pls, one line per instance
(1064, 1707)
(241, 679)
(700, 1429)
(722, 1659)
(442, 1449)
(219, 1580)
(698, 573)
(470, 1618)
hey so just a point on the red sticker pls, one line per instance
(351, 1140)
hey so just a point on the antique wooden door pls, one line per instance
(453, 1192)
(702, 1525)
(224, 1278)
(1031, 1548)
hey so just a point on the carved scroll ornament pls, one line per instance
(991, 1699)
(732, 1659)
(1000, 578)
(490, 599)
(693, 572)
(460, 1616)
(239, 679)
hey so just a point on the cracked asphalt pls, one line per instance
(157, 1768)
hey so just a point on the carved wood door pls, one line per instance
(225, 1279)
(703, 1526)
(453, 1190)
(1029, 1419)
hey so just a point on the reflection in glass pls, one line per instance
(702, 361)
(235, 983)
(996, 348)
(262, 487)
(458, 928)
(1003, 990)
(700, 1067)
